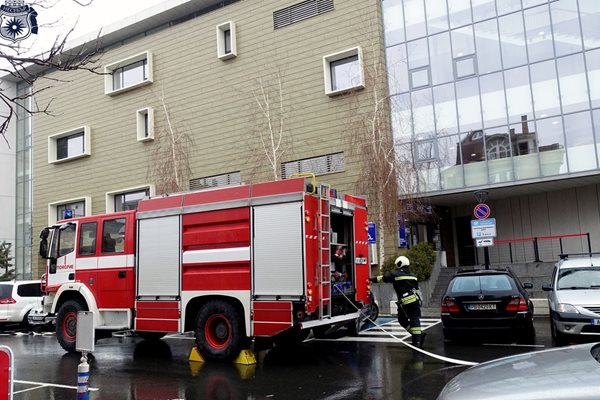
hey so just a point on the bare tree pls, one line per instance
(388, 175)
(371, 142)
(270, 113)
(170, 167)
(17, 63)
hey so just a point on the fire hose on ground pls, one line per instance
(427, 353)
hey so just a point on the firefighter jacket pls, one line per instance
(405, 284)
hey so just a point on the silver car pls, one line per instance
(565, 373)
(574, 298)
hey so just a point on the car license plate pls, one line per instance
(481, 307)
(596, 322)
(36, 318)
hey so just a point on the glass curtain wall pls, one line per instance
(492, 91)
(23, 241)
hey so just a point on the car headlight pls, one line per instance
(566, 308)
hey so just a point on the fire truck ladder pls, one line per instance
(324, 252)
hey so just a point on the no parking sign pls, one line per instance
(6, 373)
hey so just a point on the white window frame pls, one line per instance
(110, 68)
(53, 148)
(328, 59)
(221, 29)
(110, 196)
(52, 207)
(141, 126)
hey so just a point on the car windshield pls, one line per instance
(482, 283)
(5, 291)
(579, 278)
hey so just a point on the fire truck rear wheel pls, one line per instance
(220, 333)
(66, 324)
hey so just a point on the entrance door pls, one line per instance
(466, 248)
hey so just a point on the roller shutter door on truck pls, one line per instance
(278, 250)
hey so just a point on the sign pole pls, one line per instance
(486, 257)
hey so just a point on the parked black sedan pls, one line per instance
(487, 301)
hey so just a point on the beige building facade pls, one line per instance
(195, 69)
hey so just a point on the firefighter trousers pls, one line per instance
(409, 317)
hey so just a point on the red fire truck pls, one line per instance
(230, 264)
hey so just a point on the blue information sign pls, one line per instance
(372, 233)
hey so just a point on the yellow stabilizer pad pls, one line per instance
(195, 355)
(246, 357)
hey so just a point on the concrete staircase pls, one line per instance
(432, 305)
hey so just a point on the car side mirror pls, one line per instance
(528, 285)
(547, 288)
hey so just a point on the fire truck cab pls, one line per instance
(273, 259)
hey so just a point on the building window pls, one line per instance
(321, 165)
(128, 74)
(145, 124)
(343, 71)
(78, 207)
(127, 199)
(465, 66)
(425, 151)
(226, 44)
(230, 179)
(69, 145)
(70, 210)
(420, 77)
(301, 11)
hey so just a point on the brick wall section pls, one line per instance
(207, 97)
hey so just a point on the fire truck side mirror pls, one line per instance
(44, 242)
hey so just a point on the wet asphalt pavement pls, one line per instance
(129, 368)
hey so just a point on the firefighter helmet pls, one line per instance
(402, 262)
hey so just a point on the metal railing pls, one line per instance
(534, 249)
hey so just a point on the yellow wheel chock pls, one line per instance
(195, 355)
(246, 357)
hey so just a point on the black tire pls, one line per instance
(66, 324)
(151, 336)
(25, 322)
(448, 337)
(558, 339)
(527, 336)
(374, 312)
(354, 327)
(220, 331)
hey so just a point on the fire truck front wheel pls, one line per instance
(220, 332)
(66, 324)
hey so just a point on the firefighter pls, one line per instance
(406, 286)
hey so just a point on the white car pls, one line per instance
(574, 298)
(17, 299)
(562, 373)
